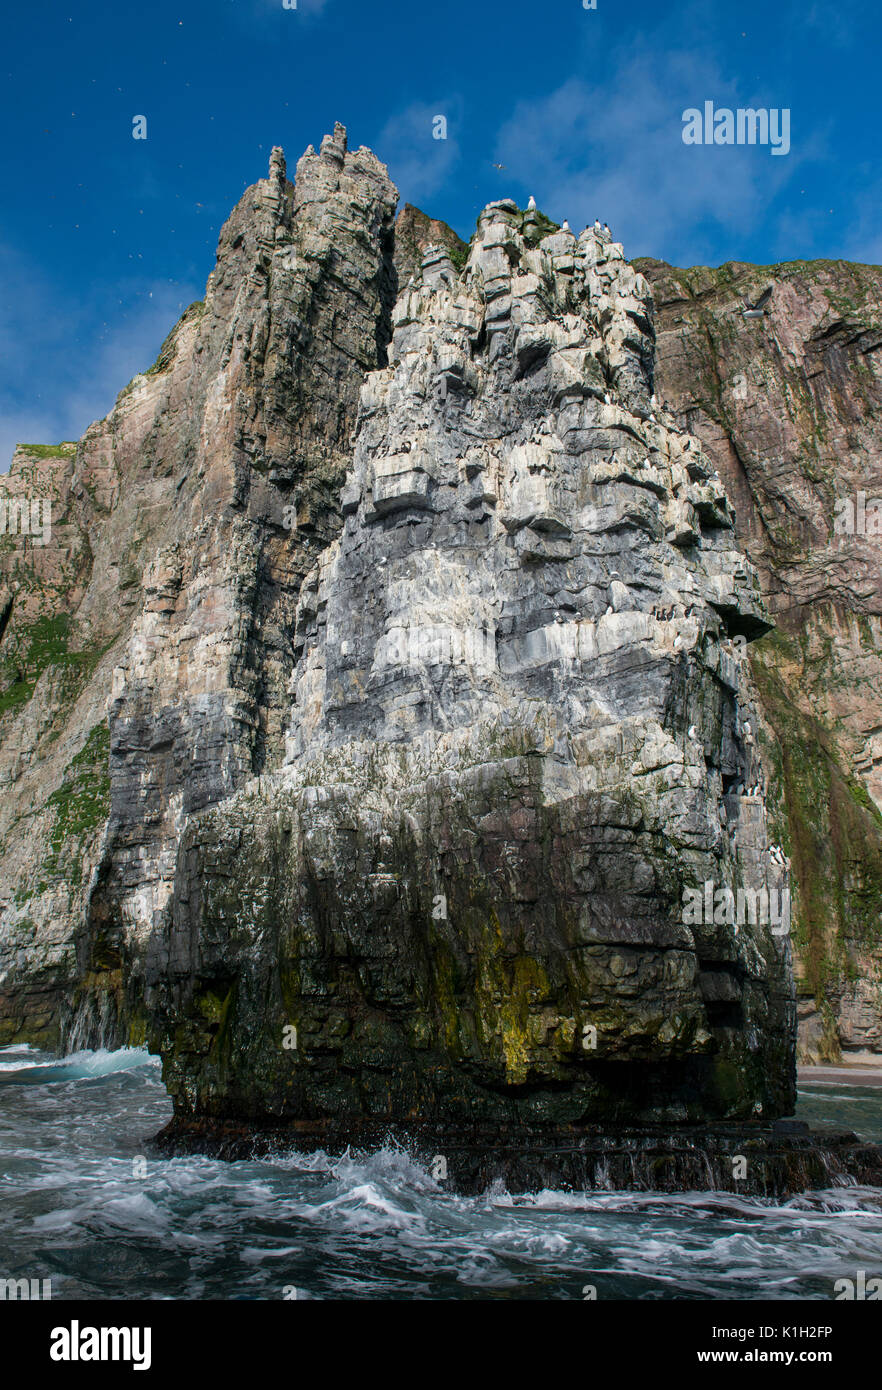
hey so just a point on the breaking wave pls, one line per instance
(88, 1204)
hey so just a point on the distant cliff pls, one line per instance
(789, 407)
(380, 677)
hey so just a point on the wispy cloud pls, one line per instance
(613, 149)
(419, 163)
(49, 391)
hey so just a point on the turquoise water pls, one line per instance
(82, 1203)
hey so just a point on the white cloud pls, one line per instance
(419, 164)
(613, 148)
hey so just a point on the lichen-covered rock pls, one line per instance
(519, 737)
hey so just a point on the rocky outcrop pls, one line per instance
(415, 233)
(776, 1161)
(788, 406)
(519, 732)
(393, 727)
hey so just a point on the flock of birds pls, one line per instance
(739, 789)
(753, 308)
(599, 230)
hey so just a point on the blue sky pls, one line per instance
(105, 239)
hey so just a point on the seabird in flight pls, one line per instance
(757, 310)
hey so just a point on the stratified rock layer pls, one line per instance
(519, 731)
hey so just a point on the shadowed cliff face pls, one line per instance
(518, 724)
(789, 407)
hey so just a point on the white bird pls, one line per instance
(607, 230)
(693, 732)
(597, 224)
(678, 642)
(608, 611)
(607, 398)
(532, 203)
(566, 226)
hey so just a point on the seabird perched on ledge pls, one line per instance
(531, 206)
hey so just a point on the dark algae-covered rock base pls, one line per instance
(437, 798)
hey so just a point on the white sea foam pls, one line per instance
(369, 1225)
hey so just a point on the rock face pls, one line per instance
(789, 408)
(197, 506)
(393, 703)
(518, 733)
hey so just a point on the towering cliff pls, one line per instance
(519, 731)
(394, 681)
(188, 519)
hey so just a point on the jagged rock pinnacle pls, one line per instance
(335, 146)
(277, 165)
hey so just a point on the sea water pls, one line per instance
(85, 1204)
